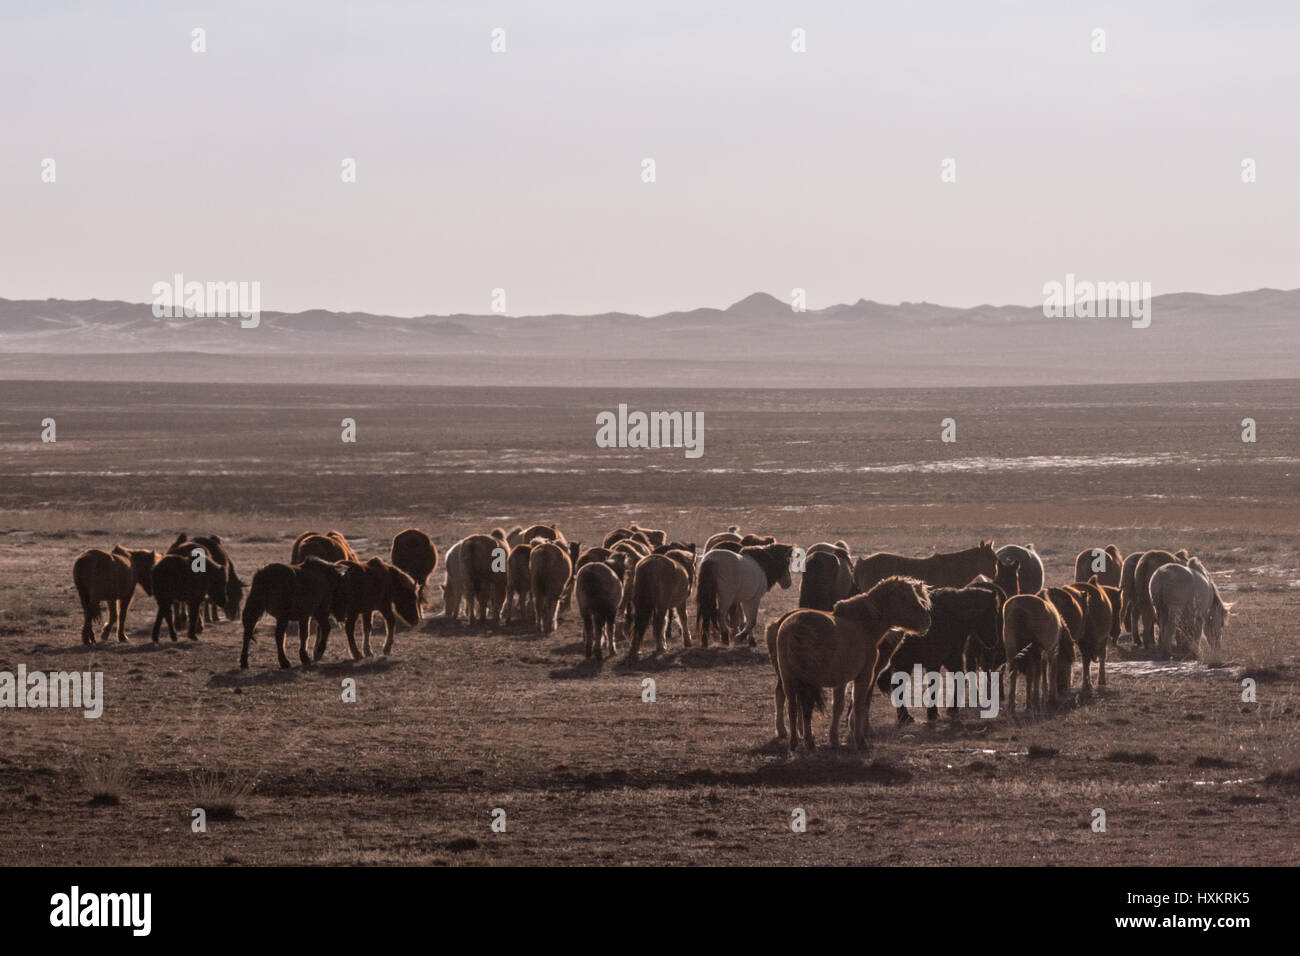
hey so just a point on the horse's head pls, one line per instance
(1216, 620)
(897, 602)
(234, 596)
(784, 552)
(1007, 575)
(986, 559)
(406, 596)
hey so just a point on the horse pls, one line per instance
(485, 586)
(176, 582)
(1144, 613)
(728, 580)
(661, 583)
(954, 569)
(1098, 621)
(549, 571)
(1031, 635)
(816, 649)
(335, 547)
(519, 593)
(599, 588)
(1110, 561)
(827, 578)
(311, 591)
(415, 553)
(1186, 599)
(731, 534)
(111, 578)
(370, 587)
(956, 615)
(456, 584)
(1029, 566)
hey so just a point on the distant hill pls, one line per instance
(758, 340)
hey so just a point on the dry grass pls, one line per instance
(220, 794)
(107, 778)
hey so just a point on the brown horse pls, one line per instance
(1107, 563)
(112, 579)
(519, 594)
(311, 591)
(1032, 631)
(827, 578)
(1099, 617)
(330, 547)
(549, 571)
(415, 553)
(485, 586)
(600, 592)
(661, 584)
(955, 569)
(370, 587)
(815, 650)
(175, 581)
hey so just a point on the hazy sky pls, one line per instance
(522, 170)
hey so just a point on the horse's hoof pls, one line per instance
(284, 664)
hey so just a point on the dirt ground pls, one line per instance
(460, 720)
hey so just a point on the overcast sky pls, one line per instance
(523, 170)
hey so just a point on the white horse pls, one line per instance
(457, 583)
(1185, 599)
(730, 535)
(728, 579)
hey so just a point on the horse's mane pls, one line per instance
(1194, 564)
(861, 605)
(772, 558)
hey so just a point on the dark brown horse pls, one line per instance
(954, 569)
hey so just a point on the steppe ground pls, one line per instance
(461, 720)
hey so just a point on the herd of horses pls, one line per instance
(857, 621)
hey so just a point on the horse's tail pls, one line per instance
(254, 605)
(91, 608)
(642, 608)
(803, 691)
(706, 598)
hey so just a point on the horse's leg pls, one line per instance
(390, 625)
(243, 654)
(837, 708)
(1101, 666)
(88, 611)
(112, 619)
(121, 618)
(304, 626)
(779, 696)
(1148, 622)
(171, 625)
(660, 622)
(157, 621)
(281, 629)
(196, 618)
(794, 708)
(350, 629)
(751, 620)
(862, 688)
